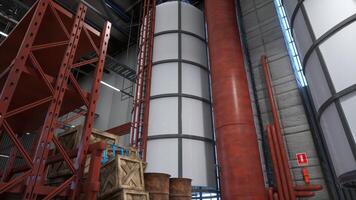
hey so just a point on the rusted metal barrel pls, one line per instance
(180, 189)
(157, 184)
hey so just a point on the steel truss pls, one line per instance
(38, 87)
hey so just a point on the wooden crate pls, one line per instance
(70, 140)
(126, 194)
(121, 173)
(128, 151)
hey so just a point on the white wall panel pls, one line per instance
(163, 116)
(195, 81)
(194, 50)
(166, 73)
(337, 142)
(325, 14)
(303, 41)
(196, 117)
(192, 21)
(195, 165)
(165, 47)
(164, 23)
(163, 156)
(317, 83)
(339, 54)
(349, 104)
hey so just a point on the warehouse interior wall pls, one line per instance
(114, 108)
(262, 34)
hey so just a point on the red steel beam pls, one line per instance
(54, 109)
(88, 124)
(37, 80)
(237, 148)
(120, 130)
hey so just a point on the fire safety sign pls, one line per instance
(302, 159)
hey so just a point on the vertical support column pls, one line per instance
(92, 184)
(237, 147)
(88, 125)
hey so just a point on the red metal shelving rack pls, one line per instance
(38, 87)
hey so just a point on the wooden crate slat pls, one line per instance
(70, 140)
(126, 194)
(121, 173)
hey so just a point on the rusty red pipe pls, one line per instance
(276, 165)
(270, 193)
(308, 187)
(280, 144)
(286, 190)
(237, 147)
(304, 194)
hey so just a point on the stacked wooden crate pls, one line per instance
(70, 140)
(122, 179)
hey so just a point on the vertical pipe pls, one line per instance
(270, 193)
(279, 165)
(278, 131)
(276, 165)
(237, 147)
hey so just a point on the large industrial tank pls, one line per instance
(325, 36)
(180, 131)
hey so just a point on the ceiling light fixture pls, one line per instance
(110, 86)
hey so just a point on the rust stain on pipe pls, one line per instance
(237, 147)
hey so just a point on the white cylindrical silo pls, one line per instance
(325, 36)
(180, 131)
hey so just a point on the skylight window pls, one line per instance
(291, 46)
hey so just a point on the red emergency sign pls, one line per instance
(302, 159)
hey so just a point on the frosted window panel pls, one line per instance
(194, 50)
(192, 20)
(166, 17)
(289, 7)
(302, 36)
(317, 83)
(337, 142)
(349, 105)
(164, 79)
(165, 47)
(162, 156)
(339, 54)
(196, 116)
(325, 14)
(195, 81)
(198, 163)
(163, 117)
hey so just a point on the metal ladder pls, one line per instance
(143, 79)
